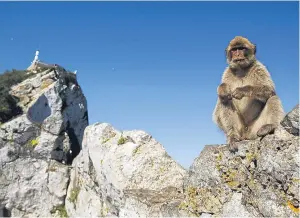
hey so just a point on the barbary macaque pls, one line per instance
(247, 105)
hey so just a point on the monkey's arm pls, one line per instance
(224, 93)
(260, 86)
(261, 93)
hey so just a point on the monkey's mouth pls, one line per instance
(238, 60)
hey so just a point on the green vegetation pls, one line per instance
(34, 142)
(8, 106)
(109, 137)
(137, 150)
(152, 163)
(61, 211)
(122, 140)
(104, 211)
(162, 169)
(296, 180)
(31, 144)
(105, 140)
(74, 194)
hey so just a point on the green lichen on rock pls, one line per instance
(105, 140)
(107, 137)
(31, 144)
(104, 211)
(219, 157)
(152, 163)
(34, 142)
(162, 169)
(251, 156)
(122, 140)
(234, 185)
(60, 210)
(74, 194)
(137, 150)
(190, 202)
(231, 178)
(199, 199)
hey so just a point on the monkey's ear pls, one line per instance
(254, 49)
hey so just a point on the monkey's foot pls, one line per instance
(233, 147)
(265, 130)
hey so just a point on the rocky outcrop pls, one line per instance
(291, 121)
(125, 174)
(129, 174)
(53, 164)
(261, 179)
(36, 145)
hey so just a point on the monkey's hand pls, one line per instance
(241, 92)
(224, 93)
(232, 141)
(266, 129)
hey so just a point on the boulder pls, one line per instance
(36, 145)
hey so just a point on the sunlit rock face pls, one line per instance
(37, 145)
(129, 174)
(124, 174)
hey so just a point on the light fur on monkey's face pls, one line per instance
(240, 53)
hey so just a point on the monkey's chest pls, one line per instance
(248, 108)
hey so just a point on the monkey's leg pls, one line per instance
(269, 119)
(228, 120)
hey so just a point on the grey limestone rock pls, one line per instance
(35, 146)
(291, 121)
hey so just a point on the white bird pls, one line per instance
(11, 39)
(75, 71)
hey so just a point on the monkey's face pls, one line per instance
(240, 53)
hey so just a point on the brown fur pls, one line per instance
(248, 106)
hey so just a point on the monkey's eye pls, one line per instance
(239, 48)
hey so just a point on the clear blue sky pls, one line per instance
(154, 66)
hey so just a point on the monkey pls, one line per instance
(247, 106)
